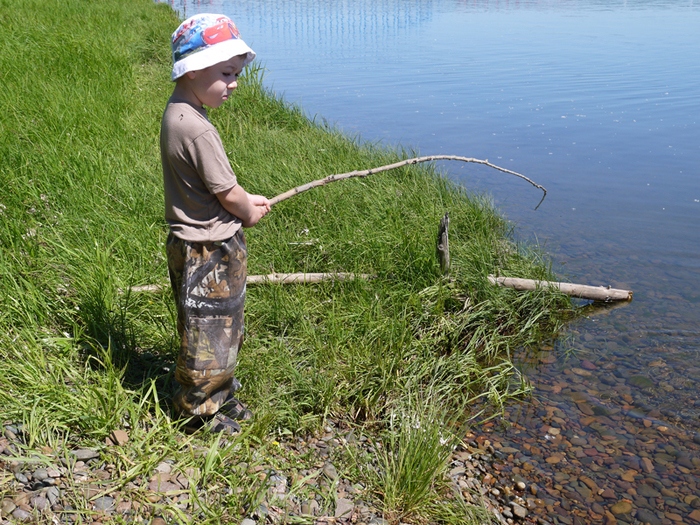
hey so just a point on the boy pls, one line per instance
(206, 209)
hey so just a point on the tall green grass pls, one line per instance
(84, 85)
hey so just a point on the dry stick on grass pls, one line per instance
(594, 293)
(364, 173)
(281, 278)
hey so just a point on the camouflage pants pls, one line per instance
(208, 281)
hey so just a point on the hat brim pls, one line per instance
(211, 55)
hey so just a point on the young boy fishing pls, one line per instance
(206, 210)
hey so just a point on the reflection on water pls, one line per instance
(598, 102)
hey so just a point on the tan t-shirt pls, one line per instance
(195, 168)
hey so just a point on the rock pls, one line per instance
(105, 504)
(19, 476)
(695, 515)
(161, 483)
(160, 521)
(119, 437)
(621, 507)
(629, 475)
(52, 495)
(647, 491)
(330, 471)
(587, 365)
(21, 515)
(519, 511)
(640, 382)
(584, 491)
(21, 499)
(123, 507)
(40, 474)
(590, 483)
(164, 468)
(7, 507)
(248, 521)
(344, 508)
(40, 503)
(647, 465)
(84, 454)
(646, 516)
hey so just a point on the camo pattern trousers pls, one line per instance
(208, 281)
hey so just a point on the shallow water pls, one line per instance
(598, 102)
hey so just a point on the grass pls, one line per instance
(84, 85)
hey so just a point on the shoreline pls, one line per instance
(84, 365)
(46, 483)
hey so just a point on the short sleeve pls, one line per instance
(212, 164)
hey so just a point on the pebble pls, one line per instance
(40, 474)
(104, 504)
(119, 437)
(344, 508)
(40, 503)
(85, 454)
(519, 511)
(21, 515)
(330, 471)
(7, 507)
(646, 516)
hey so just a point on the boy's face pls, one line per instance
(212, 86)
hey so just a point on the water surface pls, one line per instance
(595, 100)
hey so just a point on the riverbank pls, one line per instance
(393, 361)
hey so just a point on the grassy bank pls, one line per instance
(84, 85)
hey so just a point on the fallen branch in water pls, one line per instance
(281, 278)
(364, 173)
(593, 293)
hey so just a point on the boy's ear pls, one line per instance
(191, 74)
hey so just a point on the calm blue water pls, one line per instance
(598, 101)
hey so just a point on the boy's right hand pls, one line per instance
(258, 213)
(249, 208)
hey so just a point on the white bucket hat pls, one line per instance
(204, 40)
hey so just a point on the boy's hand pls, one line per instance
(261, 207)
(249, 208)
(259, 200)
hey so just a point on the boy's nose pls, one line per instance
(233, 85)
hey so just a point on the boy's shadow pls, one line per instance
(140, 344)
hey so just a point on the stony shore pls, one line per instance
(49, 486)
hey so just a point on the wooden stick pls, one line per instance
(303, 278)
(364, 173)
(594, 293)
(282, 278)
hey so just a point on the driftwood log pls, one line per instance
(364, 173)
(593, 293)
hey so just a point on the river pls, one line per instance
(599, 102)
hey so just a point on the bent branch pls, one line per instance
(364, 173)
